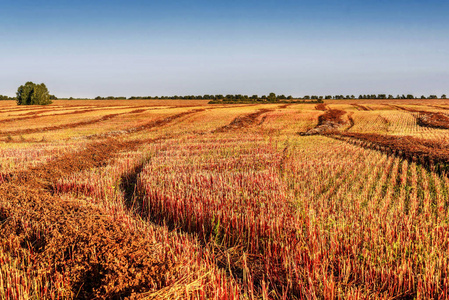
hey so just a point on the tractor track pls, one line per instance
(101, 258)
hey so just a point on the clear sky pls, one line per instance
(88, 48)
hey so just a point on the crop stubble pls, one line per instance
(99, 257)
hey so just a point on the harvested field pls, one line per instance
(168, 200)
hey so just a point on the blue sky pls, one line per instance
(124, 48)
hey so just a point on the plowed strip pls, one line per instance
(243, 121)
(429, 119)
(321, 106)
(434, 120)
(328, 122)
(429, 153)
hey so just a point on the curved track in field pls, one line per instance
(99, 257)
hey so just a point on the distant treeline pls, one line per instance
(272, 97)
(112, 98)
(2, 97)
(237, 97)
(385, 96)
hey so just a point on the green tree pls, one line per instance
(33, 94)
(272, 97)
(443, 96)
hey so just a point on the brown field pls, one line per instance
(179, 199)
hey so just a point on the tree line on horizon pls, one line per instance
(272, 97)
(37, 94)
